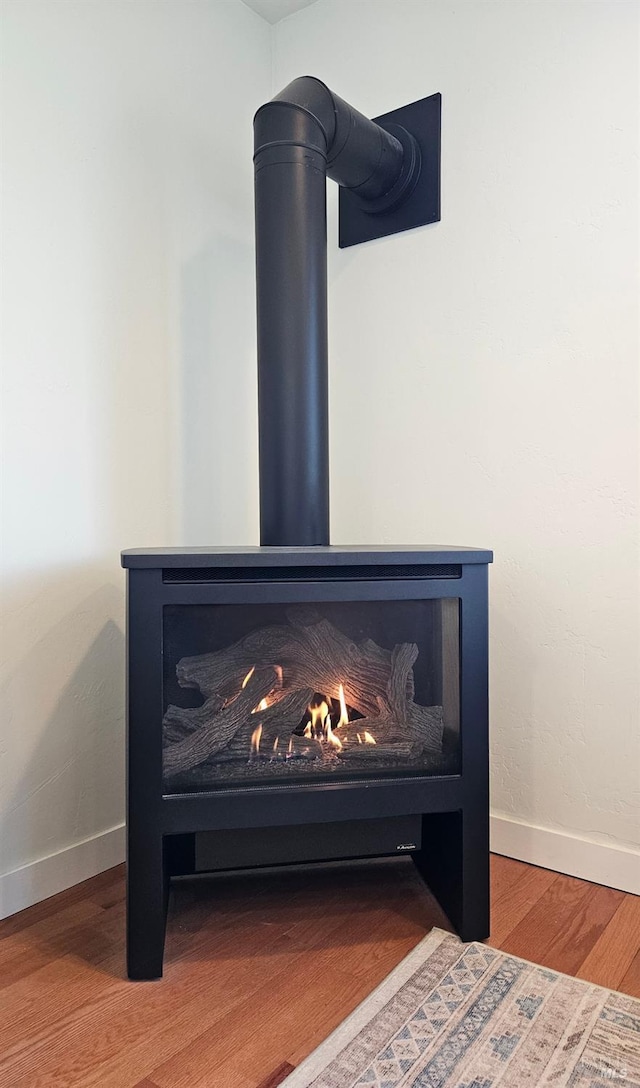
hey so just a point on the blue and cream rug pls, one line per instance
(467, 1016)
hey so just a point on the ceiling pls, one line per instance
(275, 10)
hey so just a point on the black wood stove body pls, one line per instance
(187, 604)
(300, 702)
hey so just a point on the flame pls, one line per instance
(331, 737)
(319, 726)
(255, 740)
(344, 717)
(264, 704)
(319, 715)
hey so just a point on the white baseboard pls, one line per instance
(615, 866)
(48, 876)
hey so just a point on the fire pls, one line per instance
(330, 736)
(264, 703)
(319, 715)
(344, 717)
(255, 740)
(319, 727)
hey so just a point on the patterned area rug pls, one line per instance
(467, 1016)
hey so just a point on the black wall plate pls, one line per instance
(356, 224)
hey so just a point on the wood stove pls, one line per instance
(297, 701)
(214, 767)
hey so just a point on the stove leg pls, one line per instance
(147, 900)
(454, 863)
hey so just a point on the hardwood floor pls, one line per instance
(259, 968)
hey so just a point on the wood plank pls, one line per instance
(335, 921)
(93, 967)
(90, 962)
(375, 920)
(259, 1033)
(28, 949)
(504, 872)
(199, 946)
(118, 1038)
(630, 984)
(277, 1076)
(613, 953)
(564, 924)
(514, 891)
(87, 889)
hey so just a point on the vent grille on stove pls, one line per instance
(355, 573)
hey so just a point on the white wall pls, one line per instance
(129, 373)
(484, 374)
